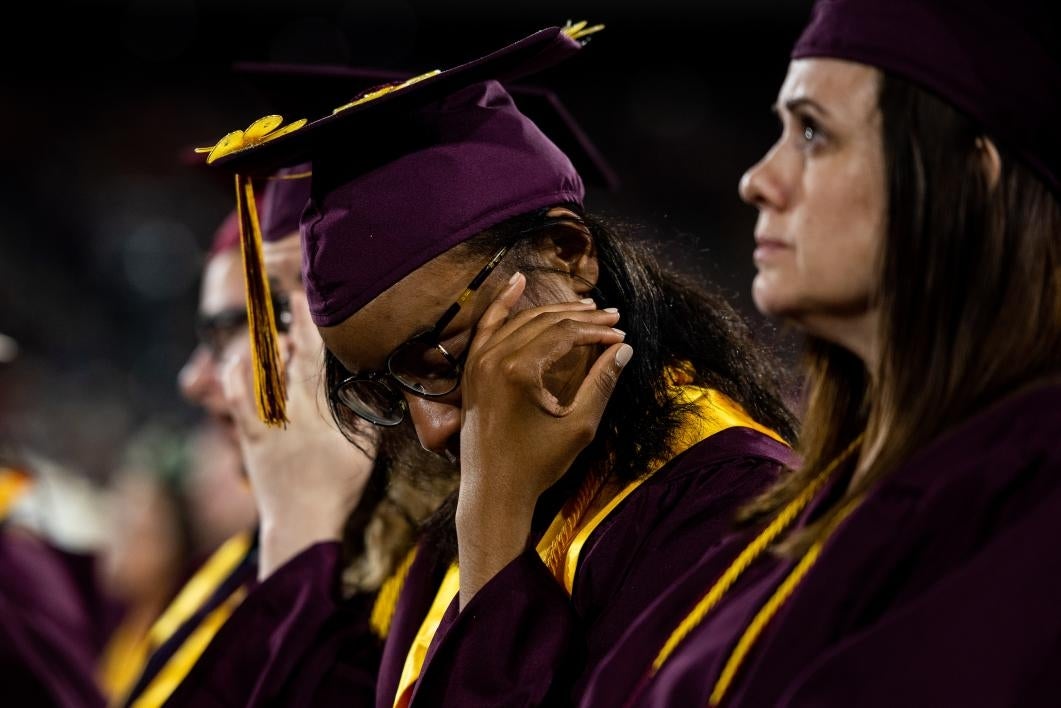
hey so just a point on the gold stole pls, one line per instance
(123, 659)
(715, 412)
(386, 603)
(192, 596)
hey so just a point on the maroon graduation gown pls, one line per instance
(943, 588)
(293, 641)
(523, 641)
(47, 634)
(242, 574)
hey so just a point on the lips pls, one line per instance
(767, 247)
(770, 242)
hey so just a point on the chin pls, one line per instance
(770, 299)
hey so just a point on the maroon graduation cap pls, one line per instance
(400, 175)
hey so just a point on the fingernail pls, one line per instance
(586, 301)
(514, 278)
(612, 310)
(622, 357)
(619, 331)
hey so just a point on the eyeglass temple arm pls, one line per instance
(449, 314)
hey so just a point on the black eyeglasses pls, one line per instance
(421, 365)
(217, 330)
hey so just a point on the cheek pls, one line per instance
(837, 232)
(837, 259)
(238, 344)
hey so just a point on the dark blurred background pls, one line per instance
(103, 229)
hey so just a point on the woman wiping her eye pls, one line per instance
(607, 416)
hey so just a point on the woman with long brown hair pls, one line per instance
(910, 225)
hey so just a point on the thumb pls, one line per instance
(596, 390)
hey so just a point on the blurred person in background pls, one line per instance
(150, 548)
(49, 613)
(189, 621)
(312, 489)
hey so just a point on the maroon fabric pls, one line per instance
(522, 641)
(424, 578)
(243, 575)
(314, 89)
(47, 637)
(999, 61)
(283, 199)
(364, 125)
(293, 641)
(227, 235)
(479, 162)
(941, 589)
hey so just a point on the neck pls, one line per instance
(857, 333)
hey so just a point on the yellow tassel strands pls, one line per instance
(269, 385)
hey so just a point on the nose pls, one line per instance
(199, 381)
(196, 376)
(437, 423)
(762, 185)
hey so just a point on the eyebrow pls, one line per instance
(794, 104)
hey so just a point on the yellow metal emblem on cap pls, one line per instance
(260, 131)
(579, 30)
(373, 94)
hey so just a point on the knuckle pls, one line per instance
(511, 367)
(605, 383)
(482, 365)
(545, 318)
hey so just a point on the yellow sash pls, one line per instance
(715, 412)
(193, 596)
(123, 659)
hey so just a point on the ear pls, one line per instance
(570, 247)
(989, 158)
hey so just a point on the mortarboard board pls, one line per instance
(998, 61)
(400, 174)
(317, 88)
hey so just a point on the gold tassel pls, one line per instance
(269, 385)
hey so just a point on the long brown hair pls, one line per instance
(969, 298)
